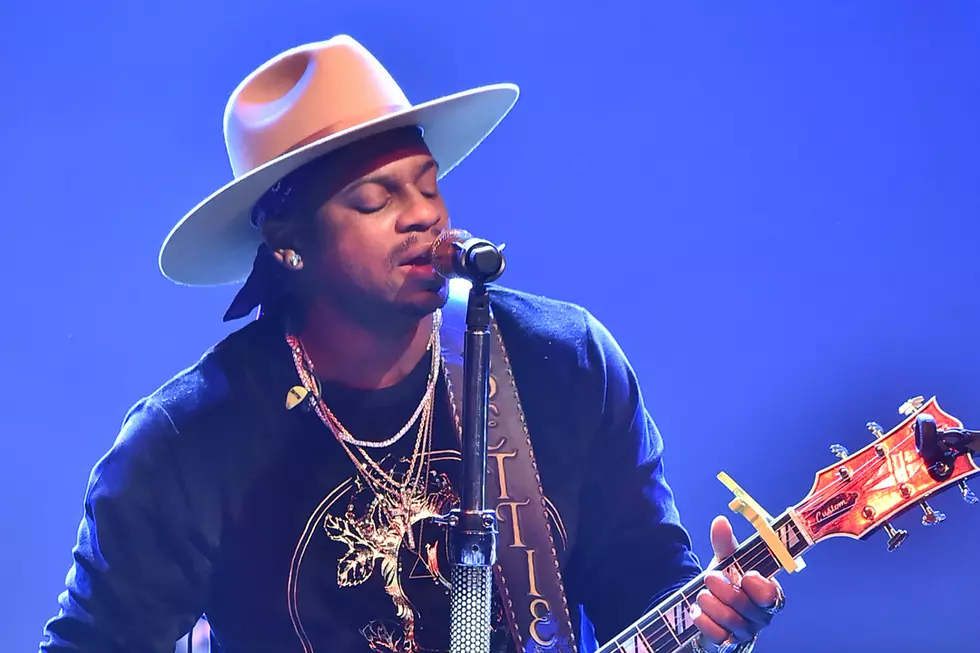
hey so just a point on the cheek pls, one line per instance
(354, 250)
(444, 212)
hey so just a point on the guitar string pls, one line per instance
(757, 552)
(859, 474)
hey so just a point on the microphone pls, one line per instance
(456, 253)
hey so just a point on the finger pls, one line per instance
(736, 598)
(711, 631)
(762, 591)
(724, 616)
(723, 540)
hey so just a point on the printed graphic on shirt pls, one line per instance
(380, 531)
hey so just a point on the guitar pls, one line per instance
(854, 497)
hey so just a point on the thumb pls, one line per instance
(723, 541)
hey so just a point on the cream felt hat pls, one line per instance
(300, 105)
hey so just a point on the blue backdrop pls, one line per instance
(775, 207)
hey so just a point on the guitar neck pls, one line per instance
(668, 626)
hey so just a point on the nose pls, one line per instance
(421, 214)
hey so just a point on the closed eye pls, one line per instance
(427, 179)
(369, 198)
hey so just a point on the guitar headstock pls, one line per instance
(897, 471)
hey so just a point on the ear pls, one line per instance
(281, 238)
(280, 234)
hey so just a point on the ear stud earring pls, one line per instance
(290, 259)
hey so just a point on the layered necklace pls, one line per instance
(408, 490)
(377, 533)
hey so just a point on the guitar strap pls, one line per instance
(527, 574)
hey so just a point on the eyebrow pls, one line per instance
(428, 165)
(382, 179)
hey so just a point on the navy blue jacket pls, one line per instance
(200, 502)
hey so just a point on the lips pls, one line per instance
(418, 257)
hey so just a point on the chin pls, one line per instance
(424, 302)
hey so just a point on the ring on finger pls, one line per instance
(727, 646)
(780, 603)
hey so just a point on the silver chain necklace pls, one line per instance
(307, 374)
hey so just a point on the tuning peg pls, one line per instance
(967, 493)
(931, 517)
(895, 536)
(876, 429)
(839, 451)
(912, 405)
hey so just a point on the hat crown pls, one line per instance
(304, 94)
(298, 106)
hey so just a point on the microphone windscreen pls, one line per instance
(443, 249)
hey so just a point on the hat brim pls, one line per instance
(215, 243)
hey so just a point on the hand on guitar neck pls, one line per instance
(854, 497)
(732, 611)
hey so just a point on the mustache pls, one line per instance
(411, 242)
(404, 246)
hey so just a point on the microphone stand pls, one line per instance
(473, 527)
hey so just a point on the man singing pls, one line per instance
(289, 484)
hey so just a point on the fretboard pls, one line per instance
(668, 626)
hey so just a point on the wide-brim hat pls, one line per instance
(298, 106)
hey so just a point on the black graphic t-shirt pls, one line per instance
(376, 527)
(216, 499)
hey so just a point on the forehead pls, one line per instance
(320, 180)
(384, 152)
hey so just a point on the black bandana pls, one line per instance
(264, 285)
